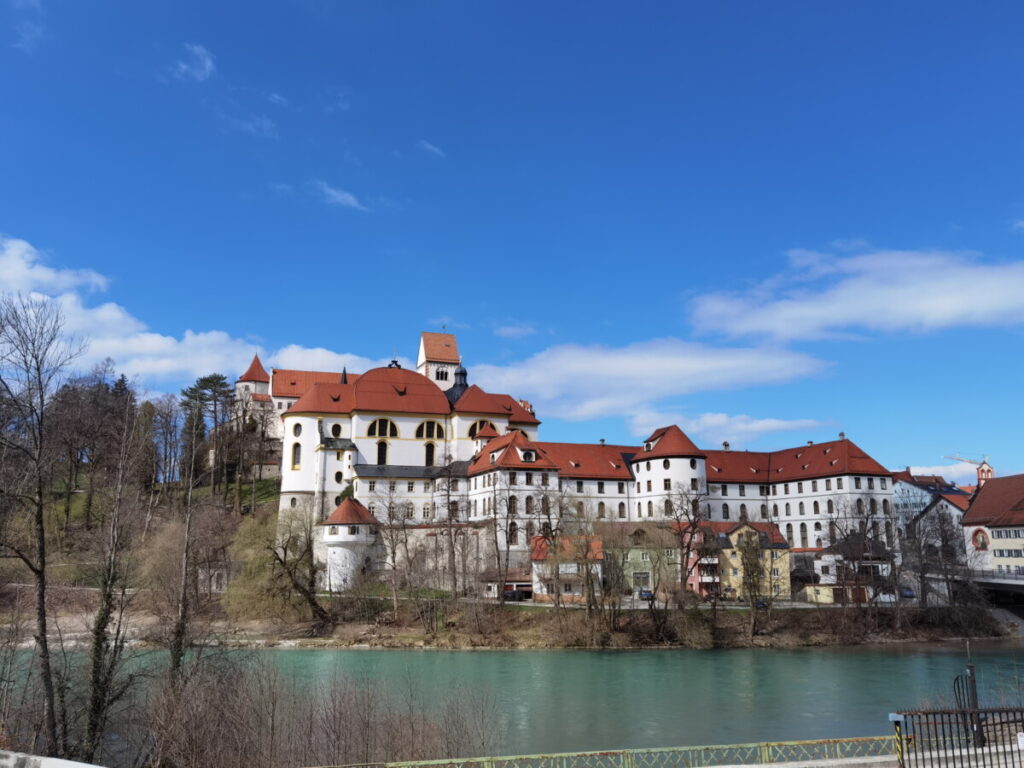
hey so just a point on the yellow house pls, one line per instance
(728, 549)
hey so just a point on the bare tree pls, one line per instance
(34, 358)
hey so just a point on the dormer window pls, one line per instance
(529, 456)
(494, 458)
(648, 446)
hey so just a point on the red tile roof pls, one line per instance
(728, 528)
(475, 400)
(590, 461)
(507, 451)
(351, 512)
(398, 390)
(289, 383)
(959, 500)
(668, 441)
(486, 432)
(838, 457)
(1000, 501)
(255, 372)
(440, 347)
(322, 397)
(569, 548)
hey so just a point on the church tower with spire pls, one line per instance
(438, 358)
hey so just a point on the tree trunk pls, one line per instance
(42, 642)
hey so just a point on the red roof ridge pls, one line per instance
(351, 512)
(255, 372)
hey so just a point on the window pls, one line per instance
(544, 479)
(430, 430)
(477, 426)
(622, 487)
(428, 454)
(297, 430)
(382, 452)
(648, 486)
(693, 463)
(353, 530)
(382, 428)
(579, 509)
(800, 509)
(579, 486)
(668, 508)
(693, 484)
(545, 506)
(650, 509)
(725, 489)
(645, 555)
(296, 456)
(622, 510)
(814, 486)
(511, 478)
(824, 570)
(371, 486)
(871, 483)
(332, 531)
(410, 487)
(648, 466)
(293, 503)
(788, 512)
(856, 482)
(600, 509)
(775, 490)
(775, 510)
(743, 490)
(440, 375)
(785, 489)
(803, 535)
(789, 533)
(513, 506)
(639, 510)
(882, 481)
(764, 511)
(799, 487)
(529, 505)
(885, 506)
(638, 486)
(725, 511)
(828, 485)
(391, 486)
(336, 430)
(529, 478)
(338, 477)
(860, 507)
(839, 483)
(667, 484)
(830, 509)
(666, 464)
(600, 486)
(280, 405)
(743, 511)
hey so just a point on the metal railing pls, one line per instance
(676, 757)
(959, 737)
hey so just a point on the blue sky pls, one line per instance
(767, 222)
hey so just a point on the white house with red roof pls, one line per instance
(425, 447)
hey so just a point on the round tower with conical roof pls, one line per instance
(351, 543)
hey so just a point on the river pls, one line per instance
(570, 701)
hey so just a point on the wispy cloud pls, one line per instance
(960, 473)
(27, 5)
(28, 34)
(277, 99)
(338, 101)
(433, 149)
(1017, 224)
(198, 64)
(335, 196)
(514, 331)
(22, 268)
(713, 428)
(825, 295)
(259, 126)
(577, 382)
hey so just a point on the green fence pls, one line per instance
(677, 757)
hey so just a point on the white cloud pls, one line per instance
(334, 196)
(715, 428)
(29, 34)
(21, 269)
(320, 359)
(426, 146)
(958, 472)
(278, 99)
(577, 382)
(515, 331)
(260, 126)
(826, 295)
(198, 64)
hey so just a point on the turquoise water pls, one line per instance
(568, 701)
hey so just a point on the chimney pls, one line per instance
(842, 435)
(602, 441)
(810, 442)
(725, 445)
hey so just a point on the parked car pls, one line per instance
(646, 594)
(907, 593)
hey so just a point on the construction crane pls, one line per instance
(958, 457)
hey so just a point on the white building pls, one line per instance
(419, 448)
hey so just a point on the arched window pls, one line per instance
(775, 510)
(297, 430)
(336, 430)
(477, 426)
(831, 509)
(530, 530)
(817, 509)
(600, 509)
(888, 533)
(817, 542)
(764, 511)
(801, 508)
(874, 507)
(817, 527)
(382, 452)
(725, 511)
(296, 456)
(545, 530)
(545, 505)
(622, 510)
(430, 430)
(788, 511)
(639, 510)
(513, 534)
(513, 506)
(650, 509)
(453, 510)
(860, 506)
(832, 531)
(338, 477)
(789, 533)
(529, 505)
(382, 428)
(743, 511)
(474, 508)
(668, 507)
(579, 509)
(428, 454)
(666, 463)
(885, 506)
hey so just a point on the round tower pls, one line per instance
(350, 538)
